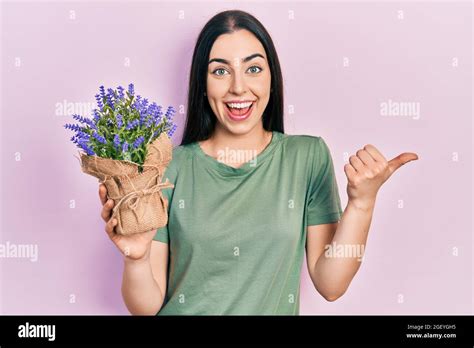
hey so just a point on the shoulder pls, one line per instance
(179, 155)
(312, 150)
(303, 143)
(180, 152)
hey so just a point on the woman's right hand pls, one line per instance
(135, 246)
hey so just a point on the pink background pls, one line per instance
(418, 258)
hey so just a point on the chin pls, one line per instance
(240, 128)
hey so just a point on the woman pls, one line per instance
(248, 199)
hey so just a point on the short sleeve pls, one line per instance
(162, 233)
(323, 203)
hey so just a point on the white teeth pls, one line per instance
(239, 105)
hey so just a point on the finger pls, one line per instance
(103, 193)
(357, 163)
(400, 160)
(350, 171)
(150, 234)
(106, 210)
(110, 226)
(365, 157)
(376, 154)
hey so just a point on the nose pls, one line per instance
(238, 85)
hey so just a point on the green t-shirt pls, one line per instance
(237, 235)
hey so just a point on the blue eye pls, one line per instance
(252, 67)
(214, 72)
(256, 67)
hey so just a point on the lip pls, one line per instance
(239, 101)
(242, 117)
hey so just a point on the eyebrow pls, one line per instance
(245, 60)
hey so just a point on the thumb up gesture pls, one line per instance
(368, 170)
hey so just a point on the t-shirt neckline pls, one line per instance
(244, 168)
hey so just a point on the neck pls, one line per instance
(253, 142)
(257, 139)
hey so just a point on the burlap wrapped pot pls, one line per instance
(139, 205)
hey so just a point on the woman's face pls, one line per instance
(238, 71)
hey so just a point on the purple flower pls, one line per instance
(130, 89)
(117, 142)
(157, 115)
(96, 115)
(119, 121)
(84, 120)
(83, 144)
(125, 147)
(169, 113)
(83, 135)
(151, 108)
(87, 149)
(100, 104)
(141, 118)
(110, 97)
(75, 139)
(143, 114)
(73, 127)
(149, 121)
(132, 124)
(120, 92)
(138, 142)
(157, 120)
(137, 102)
(99, 138)
(172, 130)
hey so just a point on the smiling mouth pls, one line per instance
(238, 111)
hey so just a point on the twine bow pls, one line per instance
(133, 198)
(108, 171)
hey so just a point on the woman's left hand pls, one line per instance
(368, 170)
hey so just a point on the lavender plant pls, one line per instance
(122, 125)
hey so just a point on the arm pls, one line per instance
(331, 276)
(144, 280)
(145, 263)
(366, 173)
